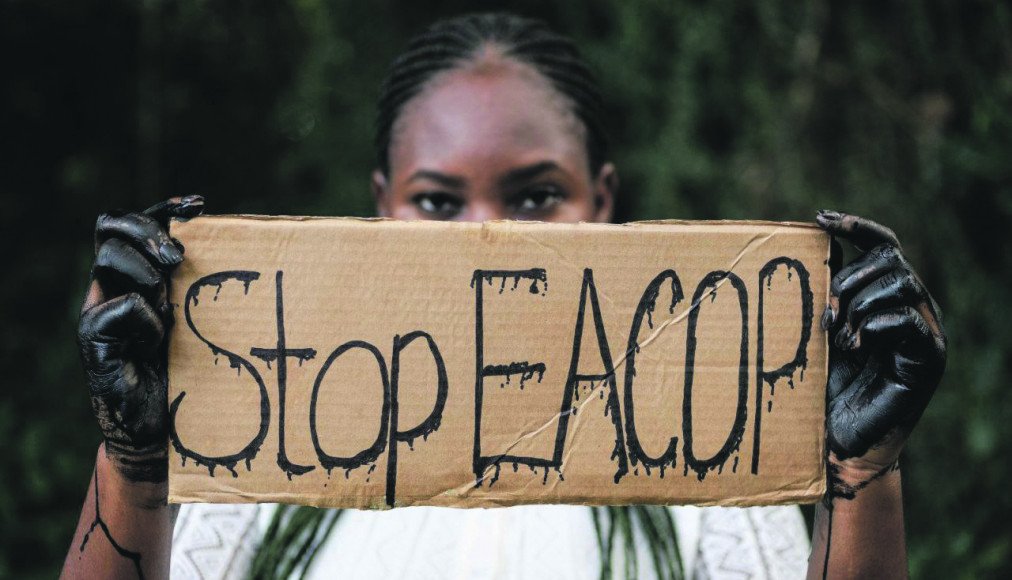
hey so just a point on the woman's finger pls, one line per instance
(878, 401)
(176, 207)
(897, 287)
(119, 341)
(863, 233)
(843, 367)
(125, 325)
(914, 336)
(868, 411)
(142, 232)
(856, 276)
(93, 296)
(121, 269)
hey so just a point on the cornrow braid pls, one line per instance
(450, 44)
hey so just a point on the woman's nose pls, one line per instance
(483, 212)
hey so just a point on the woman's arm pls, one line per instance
(862, 537)
(887, 356)
(125, 529)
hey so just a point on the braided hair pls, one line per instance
(451, 44)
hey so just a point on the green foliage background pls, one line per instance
(900, 111)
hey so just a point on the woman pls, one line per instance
(495, 117)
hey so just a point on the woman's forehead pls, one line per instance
(487, 113)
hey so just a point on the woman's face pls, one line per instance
(492, 141)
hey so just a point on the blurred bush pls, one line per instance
(899, 111)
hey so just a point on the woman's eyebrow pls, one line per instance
(449, 181)
(526, 173)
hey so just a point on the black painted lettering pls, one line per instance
(480, 462)
(370, 454)
(646, 307)
(708, 287)
(237, 362)
(281, 355)
(426, 427)
(602, 380)
(800, 360)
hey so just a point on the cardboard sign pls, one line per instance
(374, 364)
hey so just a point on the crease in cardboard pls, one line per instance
(562, 256)
(751, 245)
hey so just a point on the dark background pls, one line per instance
(901, 111)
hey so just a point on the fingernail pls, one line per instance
(828, 317)
(170, 254)
(189, 207)
(165, 312)
(842, 338)
(827, 216)
(853, 342)
(192, 200)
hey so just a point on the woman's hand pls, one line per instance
(121, 334)
(887, 353)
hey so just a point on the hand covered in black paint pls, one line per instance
(122, 329)
(887, 352)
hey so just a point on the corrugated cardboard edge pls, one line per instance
(514, 223)
(814, 493)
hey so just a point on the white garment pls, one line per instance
(217, 541)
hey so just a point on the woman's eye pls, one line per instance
(438, 205)
(538, 200)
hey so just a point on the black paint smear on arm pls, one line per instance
(135, 557)
(837, 489)
(829, 539)
(237, 362)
